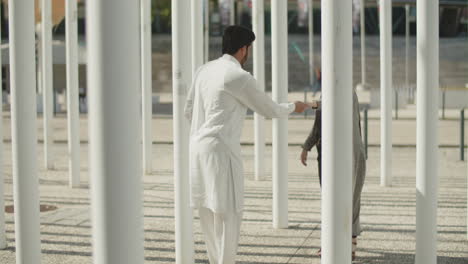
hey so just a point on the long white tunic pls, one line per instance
(216, 106)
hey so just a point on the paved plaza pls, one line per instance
(388, 214)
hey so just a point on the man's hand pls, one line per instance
(314, 104)
(304, 157)
(300, 107)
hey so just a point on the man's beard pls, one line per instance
(244, 59)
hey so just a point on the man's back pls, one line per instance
(217, 112)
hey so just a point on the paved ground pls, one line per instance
(388, 214)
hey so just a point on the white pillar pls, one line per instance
(47, 82)
(311, 43)
(258, 21)
(115, 131)
(146, 84)
(24, 135)
(197, 35)
(363, 43)
(181, 80)
(336, 131)
(427, 150)
(386, 91)
(73, 112)
(407, 42)
(3, 242)
(39, 61)
(239, 11)
(232, 12)
(206, 29)
(279, 44)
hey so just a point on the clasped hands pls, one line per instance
(301, 106)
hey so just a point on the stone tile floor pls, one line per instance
(388, 214)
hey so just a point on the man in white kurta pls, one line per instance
(216, 106)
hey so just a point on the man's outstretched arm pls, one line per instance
(262, 104)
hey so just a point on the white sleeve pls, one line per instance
(260, 102)
(188, 109)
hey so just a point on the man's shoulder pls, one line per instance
(238, 76)
(220, 69)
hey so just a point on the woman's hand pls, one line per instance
(304, 157)
(314, 104)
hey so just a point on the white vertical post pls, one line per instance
(181, 78)
(427, 150)
(386, 91)
(279, 44)
(24, 137)
(47, 82)
(407, 41)
(239, 11)
(146, 83)
(232, 12)
(311, 42)
(39, 70)
(3, 242)
(336, 135)
(197, 35)
(363, 43)
(206, 29)
(258, 21)
(115, 131)
(71, 24)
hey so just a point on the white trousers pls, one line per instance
(221, 235)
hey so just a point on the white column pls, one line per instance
(363, 43)
(146, 84)
(3, 242)
(311, 43)
(181, 80)
(24, 135)
(258, 21)
(73, 112)
(427, 150)
(279, 44)
(407, 42)
(206, 29)
(197, 35)
(386, 91)
(115, 131)
(39, 61)
(232, 12)
(47, 82)
(239, 11)
(336, 131)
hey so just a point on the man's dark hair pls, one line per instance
(236, 37)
